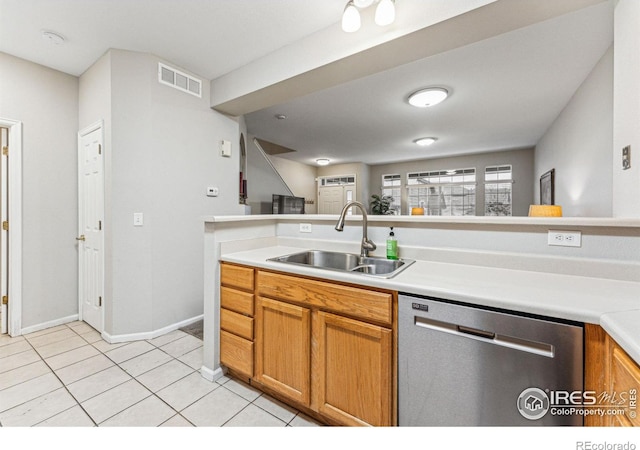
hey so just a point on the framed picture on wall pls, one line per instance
(547, 187)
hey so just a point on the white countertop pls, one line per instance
(613, 304)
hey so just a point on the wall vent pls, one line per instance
(179, 80)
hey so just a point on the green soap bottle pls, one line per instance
(392, 246)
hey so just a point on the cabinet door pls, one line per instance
(283, 348)
(354, 363)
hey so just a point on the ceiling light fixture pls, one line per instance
(385, 13)
(425, 98)
(350, 18)
(323, 162)
(280, 116)
(425, 142)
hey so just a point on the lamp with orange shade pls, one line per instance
(545, 211)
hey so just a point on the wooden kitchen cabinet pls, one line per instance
(327, 346)
(237, 319)
(354, 371)
(609, 369)
(283, 348)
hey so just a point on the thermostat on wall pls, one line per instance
(225, 148)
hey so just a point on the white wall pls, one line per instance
(46, 101)
(578, 146)
(262, 180)
(626, 183)
(161, 149)
(301, 179)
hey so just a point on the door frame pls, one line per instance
(344, 193)
(14, 239)
(85, 131)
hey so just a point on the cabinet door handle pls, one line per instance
(81, 238)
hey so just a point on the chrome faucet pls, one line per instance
(367, 245)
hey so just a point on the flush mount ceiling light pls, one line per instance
(425, 98)
(322, 162)
(280, 116)
(425, 142)
(52, 38)
(385, 13)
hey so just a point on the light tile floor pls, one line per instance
(68, 376)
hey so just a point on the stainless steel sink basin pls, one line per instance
(346, 262)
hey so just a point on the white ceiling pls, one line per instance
(506, 90)
(505, 93)
(207, 37)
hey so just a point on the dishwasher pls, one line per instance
(464, 365)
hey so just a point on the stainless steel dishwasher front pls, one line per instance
(461, 365)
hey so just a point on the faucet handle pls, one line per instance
(368, 244)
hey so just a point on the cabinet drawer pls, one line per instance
(626, 378)
(236, 323)
(238, 301)
(236, 353)
(236, 276)
(352, 301)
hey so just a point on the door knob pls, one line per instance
(81, 238)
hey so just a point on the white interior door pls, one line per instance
(4, 241)
(91, 226)
(330, 199)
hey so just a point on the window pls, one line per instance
(498, 185)
(443, 192)
(338, 181)
(392, 185)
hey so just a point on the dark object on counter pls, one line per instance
(287, 204)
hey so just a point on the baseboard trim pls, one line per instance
(211, 375)
(50, 324)
(118, 338)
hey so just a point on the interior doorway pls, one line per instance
(11, 226)
(4, 219)
(334, 192)
(91, 226)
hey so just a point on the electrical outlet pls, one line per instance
(565, 238)
(305, 228)
(212, 191)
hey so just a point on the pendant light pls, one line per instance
(385, 12)
(350, 18)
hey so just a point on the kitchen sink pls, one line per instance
(346, 262)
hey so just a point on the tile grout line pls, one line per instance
(63, 385)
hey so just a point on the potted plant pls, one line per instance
(380, 204)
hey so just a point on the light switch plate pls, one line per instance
(626, 157)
